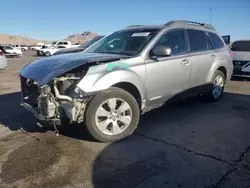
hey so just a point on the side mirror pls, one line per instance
(161, 51)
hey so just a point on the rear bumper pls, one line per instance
(241, 75)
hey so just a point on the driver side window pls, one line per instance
(175, 40)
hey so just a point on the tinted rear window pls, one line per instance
(198, 40)
(243, 46)
(218, 43)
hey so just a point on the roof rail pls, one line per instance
(185, 22)
(131, 26)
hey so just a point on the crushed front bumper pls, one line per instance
(40, 118)
(40, 53)
(33, 110)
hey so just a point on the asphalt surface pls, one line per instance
(183, 144)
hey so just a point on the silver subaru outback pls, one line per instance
(126, 74)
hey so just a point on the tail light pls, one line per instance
(230, 53)
(1, 53)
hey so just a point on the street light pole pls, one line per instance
(210, 15)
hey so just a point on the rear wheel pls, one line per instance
(217, 88)
(22, 49)
(112, 115)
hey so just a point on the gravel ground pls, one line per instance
(183, 144)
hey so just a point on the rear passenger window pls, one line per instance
(198, 40)
(218, 43)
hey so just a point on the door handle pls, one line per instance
(185, 62)
(212, 56)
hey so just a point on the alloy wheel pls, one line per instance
(218, 86)
(113, 116)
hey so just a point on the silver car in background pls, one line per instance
(241, 58)
(3, 60)
(125, 74)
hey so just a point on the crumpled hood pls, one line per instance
(46, 69)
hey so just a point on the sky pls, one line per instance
(57, 19)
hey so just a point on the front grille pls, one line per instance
(30, 91)
(240, 63)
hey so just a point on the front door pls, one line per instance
(168, 76)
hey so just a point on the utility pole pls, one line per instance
(210, 15)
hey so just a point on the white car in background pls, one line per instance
(37, 47)
(241, 58)
(3, 60)
(13, 50)
(49, 50)
(21, 47)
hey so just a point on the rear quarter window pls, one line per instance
(218, 43)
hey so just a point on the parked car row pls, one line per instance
(3, 60)
(11, 51)
(61, 47)
(81, 47)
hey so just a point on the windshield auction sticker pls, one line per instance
(141, 34)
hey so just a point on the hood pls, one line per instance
(46, 69)
(70, 50)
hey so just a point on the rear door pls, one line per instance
(203, 56)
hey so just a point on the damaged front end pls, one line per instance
(49, 85)
(60, 100)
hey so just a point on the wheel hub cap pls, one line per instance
(218, 86)
(113, 116)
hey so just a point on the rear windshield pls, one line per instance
(241, 46)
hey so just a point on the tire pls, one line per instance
(97, 101)
(47, 53)
(211, 95)
(22, 49)
(33, 49)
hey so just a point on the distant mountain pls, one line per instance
(81, 37)
(17, 39)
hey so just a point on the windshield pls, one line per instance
(125, 42)
(241, 46)
(90, 42)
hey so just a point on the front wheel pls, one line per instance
(47, 54)
(112, 115)
(217, 89)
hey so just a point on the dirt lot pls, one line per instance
(186, 144)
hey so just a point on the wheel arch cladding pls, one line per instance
(132, 89)
(224, 70)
